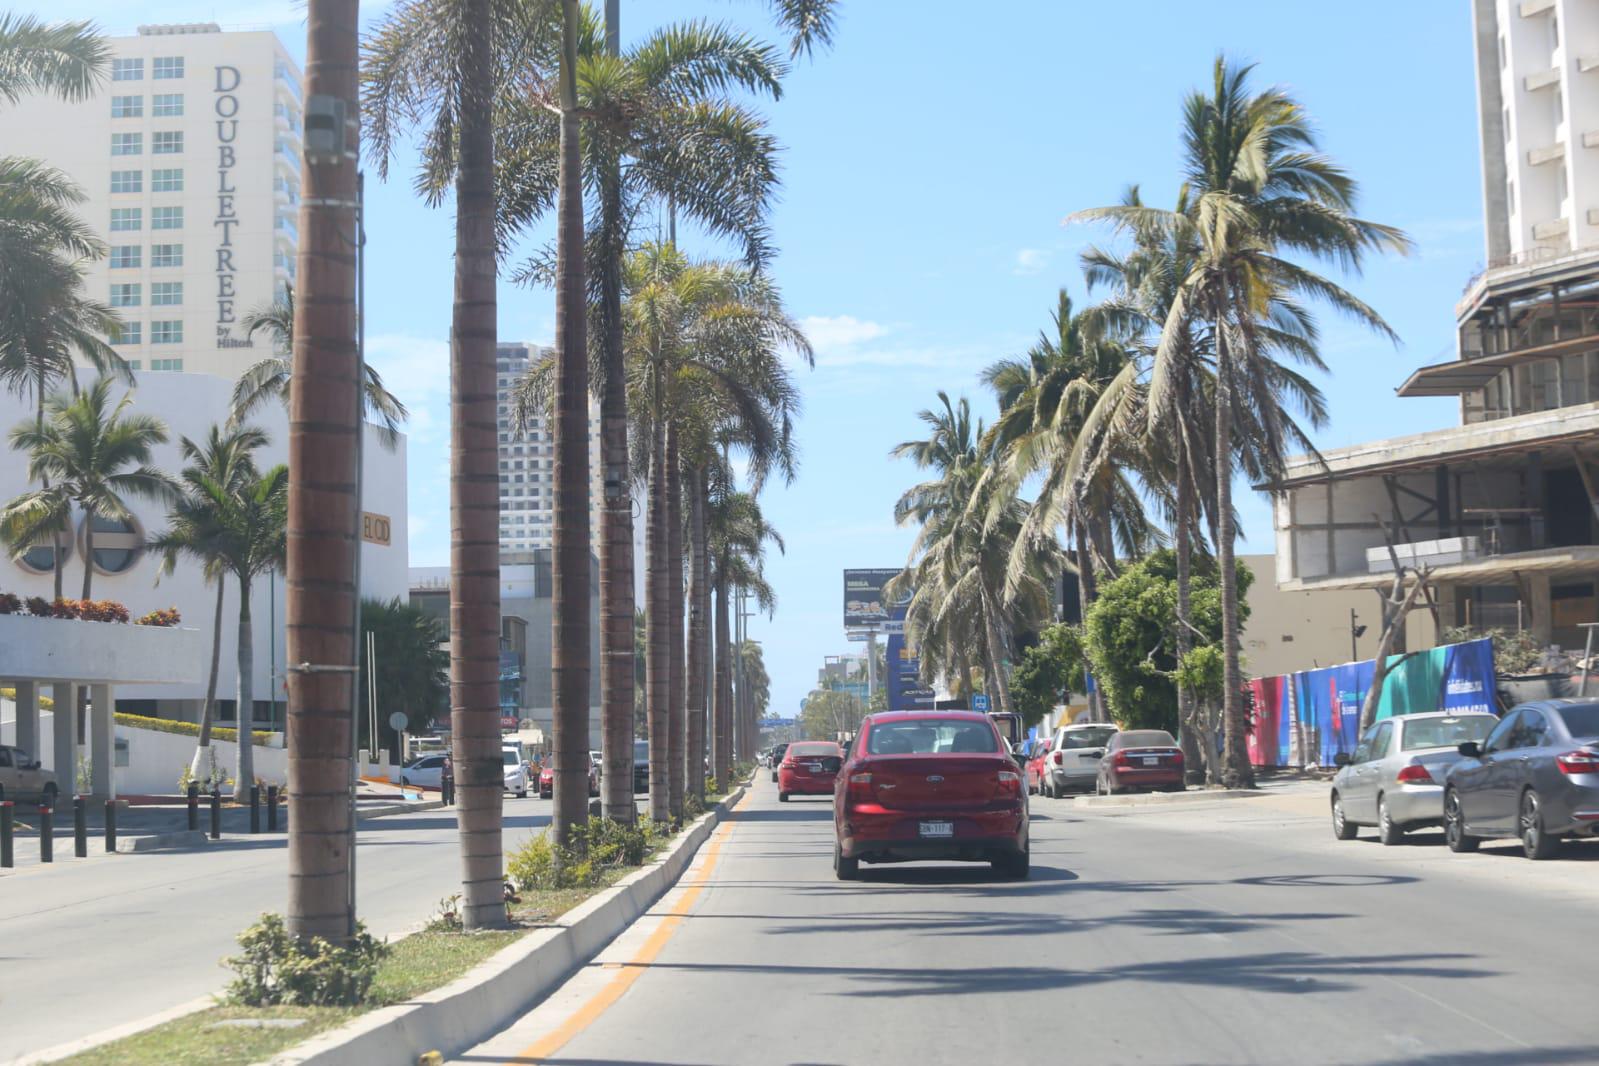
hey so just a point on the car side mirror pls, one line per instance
(1471, 749)
(1342, 759)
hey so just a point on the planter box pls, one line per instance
(67, 649)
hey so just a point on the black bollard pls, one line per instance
(216, 813)
(194, 806)
(80, 827)
(47, 835)
(255, 808)
(272, 808)
(8, 829)
(110, 827)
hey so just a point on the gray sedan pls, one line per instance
(1395, 780)
(1535, 778)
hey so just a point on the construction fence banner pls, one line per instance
(1309, 717)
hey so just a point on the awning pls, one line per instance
(1575, 562)
(1464, 375)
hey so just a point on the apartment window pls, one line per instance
(127, 180)
(166, 67)
(127, 144)
(127, 106)
(134, 364)
(1560, 185)
(174, 365)
(1507, 125)
(126, 333)
(1560, 109)
(166, 181)
(126, 256)
(125, 296)
(127, 70)
(166, 255)
(166, 218)
(1510, 195)
(1554, 31)
(126, 219)
(166, 294)
(167, 105)
(1504, 55)
(169, 331)
(166, 142)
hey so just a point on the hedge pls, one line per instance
(263, 739)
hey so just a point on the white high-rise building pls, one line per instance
(527, 463)
(189, 155)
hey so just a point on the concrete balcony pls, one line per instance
(60, 649)
(1529, 8)
(1587, 63)
(1551, 228)
(1537, 157)
(1590, 139)
(1541, 80)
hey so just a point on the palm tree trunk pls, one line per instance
(1195, 746)
(1236, 755)
(208, 708)
(245, 777)
(722, 712)
(694, 487)
(59, 571)
(991, 636)
(677, 742)
(474, 497)
(323, 402)
(88, 551)
(1087, 593)
(657, 633)
(569, 663)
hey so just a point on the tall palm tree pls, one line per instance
(1258, 195)
(84, 449)
(225, 460)
(737, 540)
(268, 379)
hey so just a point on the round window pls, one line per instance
(118, 543)
(41, 558)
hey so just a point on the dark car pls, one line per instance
(930, 786)
(777, 757)
(641, 766)
(1141, 759)
(808, 769)
(1535, 777)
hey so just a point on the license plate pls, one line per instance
(1152, 760)
(937, 830)
(814, 767)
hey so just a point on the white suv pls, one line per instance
(516, 781)
(1073, 761)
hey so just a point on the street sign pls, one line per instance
(397, 721)
(979, 701)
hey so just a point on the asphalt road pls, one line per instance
(1232, 932)
(89, 944)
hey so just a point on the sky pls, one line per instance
(929, 159)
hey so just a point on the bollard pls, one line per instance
(80, 827)
(216, 813)
(255, 808)
(47, 835)
(110, 827)
(8, 828)
(194, 806)
(272, 808)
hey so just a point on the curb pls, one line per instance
(479, 1004)
(1166, 799)
(184, 838)
(397, 808)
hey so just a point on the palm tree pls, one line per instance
(226, 460)
(1256, 191)
(737, 537)
(84, 450)
(268, 379)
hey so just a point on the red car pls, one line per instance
(1035, 764)
(547, 781)
(1139, 759)
(809, 768)
(922, 785)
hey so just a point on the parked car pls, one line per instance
(777, 757)
(930, 786)
(516, 773)
(1038, 754)
(1137, 759)
(425, 771)
(641, 766)
(1073, 763)
(23, 779)
(1535, 777)
(547, 781)
(1395, 778)
(808, 768)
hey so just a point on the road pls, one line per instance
(1230, 932)
(89, 944)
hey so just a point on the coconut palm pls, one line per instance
(268, 379)
(738, 534)
(224, 461)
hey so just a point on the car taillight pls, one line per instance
(1009, 781)
(1414, 774)
(1578, 762)
(1120, 759)
(1177, 756)
(860, 786)
(1059, 759)
(787, 764)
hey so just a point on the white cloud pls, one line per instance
(841, 331)
(1031, 261)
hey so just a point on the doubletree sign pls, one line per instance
(227, 216)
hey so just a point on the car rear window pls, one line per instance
(1445, 732)
(1146, 738)
(931, 736)
(1581, 720)
(641, 750)
(813, 750)
(1087, 738)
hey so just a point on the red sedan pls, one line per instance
(809, 768)
(547, 781)
(1139, 759)
(930, 786)
(1036, 768)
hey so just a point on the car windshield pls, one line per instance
(1146, 738)
(931, 736)
(1088, 738)
(510, 756)
(1445, 732)
(1581, 720)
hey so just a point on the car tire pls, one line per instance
(782, 797)
(774, 777)
(1455, 825)
(1388, 831)
(1014, 867)
(522, 795)
(845, 869)
(1343, 828)
(1535, 842)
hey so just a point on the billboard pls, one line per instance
(905, 689)
(864, 606)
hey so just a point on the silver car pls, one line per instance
(1073, 762)
(1535, 778)
(1395, 779)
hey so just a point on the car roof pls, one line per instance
(1091, 725)
(1443, 714)
(953, 716)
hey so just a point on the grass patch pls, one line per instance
(191, 1041)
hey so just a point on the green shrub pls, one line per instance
(275, 969)
(693, 805)
(540, 865)
(607, 843)
(188, 729)
(598, 847)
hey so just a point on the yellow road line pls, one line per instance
(631, 970)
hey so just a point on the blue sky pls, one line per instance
(929, 162)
